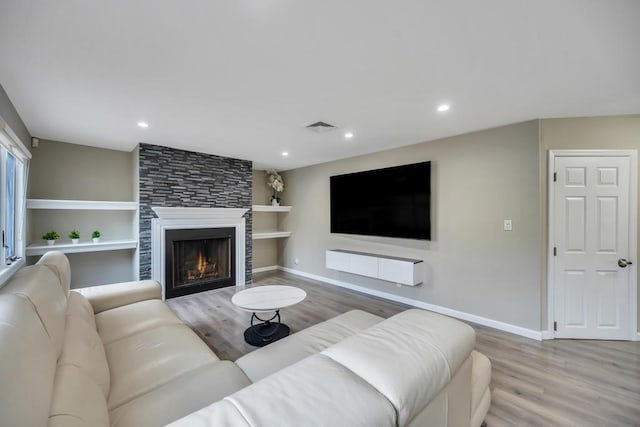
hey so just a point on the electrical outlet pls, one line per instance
(508, 225)
(296, 261)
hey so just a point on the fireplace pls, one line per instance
(198, 260)
(200, 221)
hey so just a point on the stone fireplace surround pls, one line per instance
(169, 177)
(172, 218)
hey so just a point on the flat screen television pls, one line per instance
(389, 202)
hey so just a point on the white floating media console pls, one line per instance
(393, 269)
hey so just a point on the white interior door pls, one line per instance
(591, 232)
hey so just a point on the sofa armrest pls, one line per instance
(106, 297)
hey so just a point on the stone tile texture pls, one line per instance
(177, 178)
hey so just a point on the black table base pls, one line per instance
(265, 332)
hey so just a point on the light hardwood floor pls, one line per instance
(549, 383)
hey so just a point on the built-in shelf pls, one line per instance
(269, 208)
(271, 235)
(97, 205)
(72, 248)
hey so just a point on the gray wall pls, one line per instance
(478, 180)
(11, 117)
(591, 133)
(173, 178)
(69, 171)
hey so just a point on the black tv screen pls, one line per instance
(390, 202)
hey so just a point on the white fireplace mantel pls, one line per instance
(199, 213)
(179, 218)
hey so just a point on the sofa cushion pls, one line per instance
(84, 350)
(221, 414)
(27, 364)
(141, 362)
(106, 297)
(430, 347)
(78, 307)
(77, 400)
(58, 263)
(316, 391)
(280, 354)
(40, 286)
(480, 380)
(134, 318)
(181, 396)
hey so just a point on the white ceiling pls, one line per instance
(241, 78)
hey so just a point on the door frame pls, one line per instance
(634, 334)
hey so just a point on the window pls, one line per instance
(14, 159)
(9, 235)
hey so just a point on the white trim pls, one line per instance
(633, 221)
(263, 269)
(6, 273)
(199, 213)
(81, 205)
(547, 335)
(179, 218)
(12, 143)
(73, 248)
(550, 242)
(495, 324)
(270, 208)
(270, 235)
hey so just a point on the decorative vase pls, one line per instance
(51, 242)
(96, 240)
(275, 202)
(74, 241)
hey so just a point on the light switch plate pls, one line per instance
(508, 225)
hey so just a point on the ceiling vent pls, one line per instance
(321, 127)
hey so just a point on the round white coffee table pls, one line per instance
(265, 299)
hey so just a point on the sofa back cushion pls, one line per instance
(77, 400)
(267, 360)
(79, 307)
(27, 364)
(83, 347)
(315, 391)
(41, 287)
(409, 358)
(58, 263)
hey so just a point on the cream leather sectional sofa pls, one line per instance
(117, 355)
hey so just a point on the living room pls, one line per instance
(127, 141)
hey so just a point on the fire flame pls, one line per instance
(201, 264)
(202, 269)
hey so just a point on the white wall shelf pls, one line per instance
(97, 205)
(270, 235)
(269, 208)
(71, 248)
(406, 271)
(259, 235)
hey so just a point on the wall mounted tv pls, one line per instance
(390, 202)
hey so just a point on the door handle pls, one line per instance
(622, 263)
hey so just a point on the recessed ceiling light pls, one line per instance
(143, 124)
(285, 153)
(348, 135)
(443, 107)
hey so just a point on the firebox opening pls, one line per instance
(201, 260)
(198, 260)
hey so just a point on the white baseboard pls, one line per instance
(495, 324)
(547, 335)
(263, 269)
